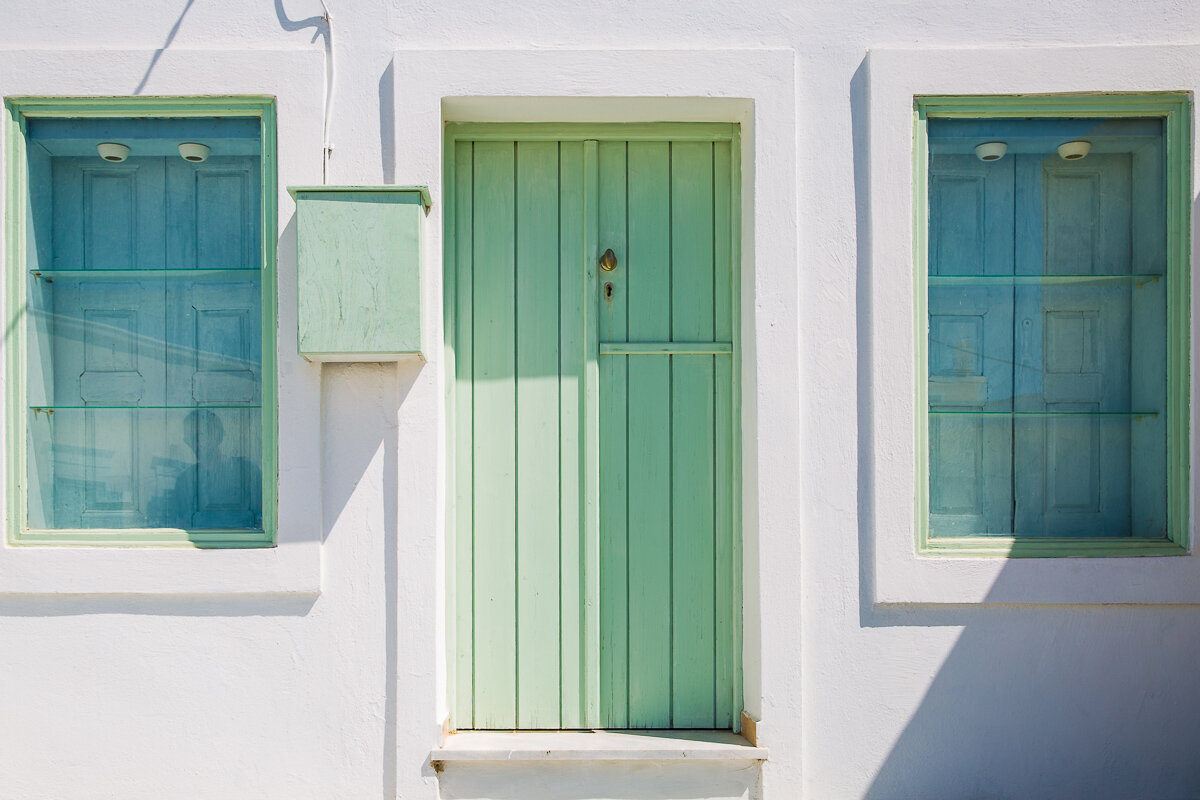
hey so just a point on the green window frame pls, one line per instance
(1174, 110)
(22, 110)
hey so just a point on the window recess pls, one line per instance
(1054, 289)
(137, 366)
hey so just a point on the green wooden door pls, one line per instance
(594, 436)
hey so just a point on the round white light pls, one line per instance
(194, 151)
(111, 151)
(1073, 151)
(991, 151)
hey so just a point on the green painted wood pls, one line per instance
(461, 318)
(649, 437)
(359, 273)
(614, 529)
(726, 610)
(1114, 104)
(1047, 335)
(1178, 124)
(32, 107)
(735, 303)
(1009, 547)
(17, 249)
(537, 430)
(592, 500)
(140, 244)
(423, 191)
(692, 486)
(666, 348)
(624, 640)
(269, 173)
(590, 131)
(572, 303)
(1150, 480)
(494, 438)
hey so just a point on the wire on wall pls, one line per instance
(326, 145)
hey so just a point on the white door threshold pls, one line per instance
(596, 745)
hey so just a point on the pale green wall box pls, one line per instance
(359, 263)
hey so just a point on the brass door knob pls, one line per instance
(608, 261)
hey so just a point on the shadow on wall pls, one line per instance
(1052, 702)
(318, 23)
(1049, 701)
(159, 52)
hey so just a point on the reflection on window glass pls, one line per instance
(1047, 328)
(144, 326)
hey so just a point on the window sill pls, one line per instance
(1008, 547)
(291, 568)
(632, 745)
(143, 537)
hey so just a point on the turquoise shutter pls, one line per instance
(148, 337)
(1047, 332)
(970, 345)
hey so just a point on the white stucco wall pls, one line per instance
(277, 690)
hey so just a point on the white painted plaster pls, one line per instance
(342, 694)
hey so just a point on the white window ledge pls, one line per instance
(648, 745)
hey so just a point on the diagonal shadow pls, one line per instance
(1082, 701)
(158, 53)
(288, 24)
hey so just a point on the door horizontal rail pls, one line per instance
(666, 348)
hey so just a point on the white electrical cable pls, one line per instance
(326, 145)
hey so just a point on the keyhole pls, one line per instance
(608, 291)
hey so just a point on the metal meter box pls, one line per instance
(359, 271)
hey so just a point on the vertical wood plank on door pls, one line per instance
(494, 412)
(692, 489)
(464, 156)
(571, 366)
(591, 435)
(649, 436)
(614, 633)
(725, 608)
(537, 435)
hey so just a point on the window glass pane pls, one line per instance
(1047, 328)
(144, 327)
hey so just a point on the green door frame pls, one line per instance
(590, 134)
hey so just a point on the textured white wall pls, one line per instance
(278, 696)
